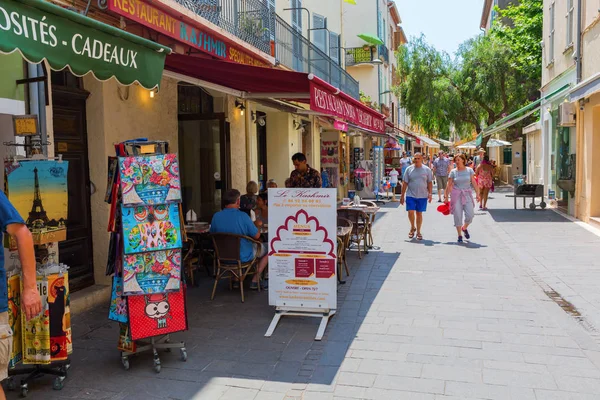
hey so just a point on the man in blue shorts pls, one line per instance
(417, 186)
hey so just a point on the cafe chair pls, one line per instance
(227, 259)
(190, 260)
(371, 219)
(359, 221)
(343, 243)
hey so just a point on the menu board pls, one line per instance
(302, 248)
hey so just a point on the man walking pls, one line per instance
(478, 158)
(404, 163)
(417, 189)
(441, 169)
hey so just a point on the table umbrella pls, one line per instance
(371, 39)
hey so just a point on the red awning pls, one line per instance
(259, 82)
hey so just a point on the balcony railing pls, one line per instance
(249, 20)
(383, 53)
(358, 55)
(293, 50)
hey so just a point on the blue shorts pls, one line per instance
(414, 204)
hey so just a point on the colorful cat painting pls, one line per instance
(151, 228)
(157, 314)
(148, 180)
(155, 272)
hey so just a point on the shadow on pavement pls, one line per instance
(520, 215)
(468, 245)
(424, 242)
(225, 344)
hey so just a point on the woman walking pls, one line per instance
(485, 180)
(460, 180)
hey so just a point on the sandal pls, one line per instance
(419, 236)
(411, 234)
(466, 232)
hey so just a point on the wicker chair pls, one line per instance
(227, 257)
(359, 221)
(343, 222)
(371, 219)
(190, 260)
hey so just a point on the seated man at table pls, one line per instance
(232, 220)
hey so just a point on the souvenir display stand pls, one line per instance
(37, 187)
(148, 294)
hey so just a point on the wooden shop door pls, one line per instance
(70, 140)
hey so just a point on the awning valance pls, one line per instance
(262, 83)
(585, 88)
(43, 31)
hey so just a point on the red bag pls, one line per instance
(157, 314)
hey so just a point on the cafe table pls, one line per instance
(371, 214)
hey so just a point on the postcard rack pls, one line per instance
(44, 240)
(118, 265)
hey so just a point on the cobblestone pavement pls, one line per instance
(509, 315)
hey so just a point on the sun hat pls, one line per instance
(444, 208)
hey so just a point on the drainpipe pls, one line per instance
(37, 100)
(579, 133)
(578, 44)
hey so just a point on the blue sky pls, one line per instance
(445, 23)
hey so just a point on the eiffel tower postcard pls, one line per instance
(38, 190)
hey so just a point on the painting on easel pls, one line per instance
(38, 190)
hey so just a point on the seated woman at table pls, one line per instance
(262, 210)
(248, 201)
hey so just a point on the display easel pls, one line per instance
(162, 342)
(59, 369)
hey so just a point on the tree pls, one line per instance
(490, 76)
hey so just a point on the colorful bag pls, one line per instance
(151, 228)
(154, 272)
(125, 342)
(150, 179)
(157, 314)
(118, 304)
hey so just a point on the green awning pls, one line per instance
(519, 115)
(40, 30)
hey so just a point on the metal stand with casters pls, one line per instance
(34, 371)
(156, 343)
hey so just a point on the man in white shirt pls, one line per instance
(394, 181)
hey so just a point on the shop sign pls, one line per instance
(40, 30)
(324, 101)
(340, 126)
(25, 125)
(195, 36)
(302, 248)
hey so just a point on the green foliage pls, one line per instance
(490, 76)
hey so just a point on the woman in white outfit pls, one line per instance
(460, 180)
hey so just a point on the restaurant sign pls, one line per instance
(41, 30)
(325, 101)
(195, 36)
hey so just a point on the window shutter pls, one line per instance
(319, 35)
(397, 39)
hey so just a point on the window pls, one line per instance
(551, 36)
(297, 14)
(380, 26)
(507, 155)
(569, 16)
(319, 35)
(334, 47)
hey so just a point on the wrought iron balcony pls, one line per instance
(250, 20)
(366, 54)
(359, 55)
(294, 51)
(383, 53)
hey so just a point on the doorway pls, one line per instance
(261, 147)
(204, 149)
(70, 140)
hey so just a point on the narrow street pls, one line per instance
(416, 320)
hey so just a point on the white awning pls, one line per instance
(585, 88)
(429, 142)
(490, 143)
